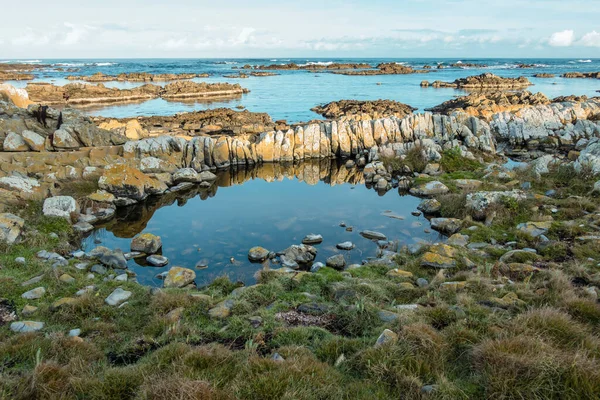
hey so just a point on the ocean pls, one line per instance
(291, 94)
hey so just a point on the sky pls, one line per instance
(308, 28)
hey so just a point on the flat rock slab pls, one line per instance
(26, 326)
(118, 296)
(373, 235)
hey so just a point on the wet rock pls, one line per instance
(117, 297)
(179, 277)
(258, 254)
(10, 227)
(312, 239)
(447, 226)
(26, 326)
(157, 261)
(146, 243)
(301, 254)
(83, 227)
(373, 235)
(430, 189)
(345, 246)
(336, 262)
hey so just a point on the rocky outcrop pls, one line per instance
(391, 68)
(544, 75)
(484, 105)
(485, 81)
(18, 97)
(590, 75)
(15, 76)
(218, 121)
(134, 77)
(81, 94)
(182, 90)
(363, 110)
(20, 130)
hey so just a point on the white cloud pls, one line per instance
(31, 38)
(590, 39)
(75, 34)
(562, 39)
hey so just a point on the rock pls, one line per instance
(60, 206)
(422, 282)
(458, 240)
(439, 256)
(26, 326)
(447, 226)
(127, 182)
(157, 261)
(186, 175)
(28, 310)
(35, 141)
(21, 185)
(179, 277)
(102, 196)
(336, 262)
(10, 227)
(258, 254)
(83, 227)
(398, 273)
(114, 259)
(535, 229)
(373, 235)
(20, 260)
(98, 269)
(301, 254)
(387, 316)
(146, 243)
(66, 278)
(207, 176)
(386, 337)
(361, 110)
(74, 332)
(312, 239)
(14, 142)
(65, 301)
(33, 280)
(117, 297)
(479, 202)
(277, 358)
(316, 267)
(453, 286)
(34, 294)
(345, 246)
(121, 278)
(221, 310)
(430, 206)
(430, 189)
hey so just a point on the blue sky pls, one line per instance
(330, 28)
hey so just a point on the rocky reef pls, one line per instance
(218, 121)
(486, 104)
(482, 82)
(363, 110)
(390, 68)
(81, 94)
(17, 72)
(544, 75)
(134, 77)
(589, 75)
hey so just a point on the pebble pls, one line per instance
(345, 246)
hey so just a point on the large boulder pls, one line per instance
(35, 141)
(429, 189)
(14, 142)
(479, 202)
(10, 227)
(299, 254)
(60, 206)
(125, 181)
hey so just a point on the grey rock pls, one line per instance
(26, 326)
(345, 246)
(34, 294)
(312, 239)
(337, 261)
(157, 260)
(60, 206)
(373, 235)
(114, 259)
(117, 297)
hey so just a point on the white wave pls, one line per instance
(273, 60)
(69, 64)
(317, 63)
(104, 64)
(458, 62)
(584, 61)
(29, 61)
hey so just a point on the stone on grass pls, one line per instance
(387, 336)
(26, 326)
(118, 296)
(60, 206)
(10, 227)
(34, 294)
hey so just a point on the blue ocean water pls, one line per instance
(291, 94)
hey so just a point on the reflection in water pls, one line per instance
(272, 205)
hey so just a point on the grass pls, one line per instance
(506, 334)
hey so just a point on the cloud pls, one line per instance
(590, 39)
(31, 38)
(562, 39)
(75, 34)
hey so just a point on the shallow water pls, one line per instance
(273, 206)
(292, 94)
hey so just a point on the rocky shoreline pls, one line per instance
(485, 81)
